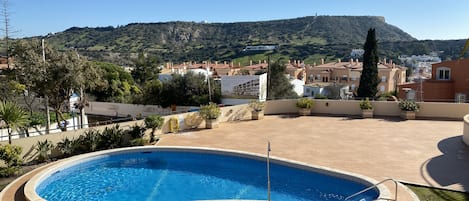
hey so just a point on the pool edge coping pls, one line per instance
(30, 187)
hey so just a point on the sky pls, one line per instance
(423, 19)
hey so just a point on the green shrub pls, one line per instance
(138, 142)
(320, 96)
(111, 138)
(409, 105)
(43, 148)
(366, 104)
(65, 146)
(136, 131)
(210, 111)
(153, 122)
(10, 155)
(305, 103)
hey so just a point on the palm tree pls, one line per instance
(13, 115)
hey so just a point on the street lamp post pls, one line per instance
(45, 95)
(208, 82)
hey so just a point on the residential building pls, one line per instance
(449, 82)
(348, 74)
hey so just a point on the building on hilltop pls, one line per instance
(449, 82)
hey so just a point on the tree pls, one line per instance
(151, 93)
(146, 68)
(280, 86)
(369, 79)
(13, 116)
(189, 89)
(57, 75)
(117, 85)
(5, 14)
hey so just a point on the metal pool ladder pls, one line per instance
(375, 185)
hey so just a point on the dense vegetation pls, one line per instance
(306, 38)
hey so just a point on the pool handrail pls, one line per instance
(375, 185)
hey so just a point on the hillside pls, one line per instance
(190, 40)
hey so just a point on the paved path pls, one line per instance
(418, 151)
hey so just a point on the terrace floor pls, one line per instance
(417, 151)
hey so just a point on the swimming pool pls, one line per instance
(191, 174)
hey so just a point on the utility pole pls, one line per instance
(45, 95)
(208, 82)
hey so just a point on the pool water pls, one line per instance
(181, 176)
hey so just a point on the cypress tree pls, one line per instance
(369, 78)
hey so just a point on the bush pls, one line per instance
(366, 104)
(10, 154)
(153, 122)
(320, 96)
(136, 131)
(257, 105)
(305, 103)
(43, 148)
(210, 111)
(65, 146)
(111, 138)
(138, 142)
(409, 105)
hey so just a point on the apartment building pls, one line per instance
(348, 74)
(449, 82)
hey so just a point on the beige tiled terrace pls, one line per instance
(418, 151)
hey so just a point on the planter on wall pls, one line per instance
(211, 123)
(408, 115)
(367, 113)
(304, 111)
(256, 115)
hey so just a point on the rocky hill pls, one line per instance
(304, 38)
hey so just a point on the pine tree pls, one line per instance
(280, 86)
(369, 78)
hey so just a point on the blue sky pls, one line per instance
(430, 19)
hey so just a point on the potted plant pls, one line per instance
(367, 108)
(257, 109)
(305, 105)
(210, 113)
(408, 109)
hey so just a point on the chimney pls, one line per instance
(390, 61)
(393, 65)
(356, 61)
(250, 62)
(231, 64)
(216, 62)
(384, 60)
(224, 62)
(314, 64)
(239, 64)
(351, 61)
(265, 61)
(259, 61)
(322, 61)
(339, 60)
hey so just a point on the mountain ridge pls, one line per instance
(179, 41)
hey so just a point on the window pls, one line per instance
(443, 73)
(353, 87)
(383, 78)
(382, 88)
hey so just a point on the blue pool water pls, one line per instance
(181, 176)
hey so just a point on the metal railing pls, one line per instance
(375, 185)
